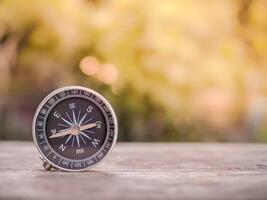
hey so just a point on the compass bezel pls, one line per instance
(111, 132)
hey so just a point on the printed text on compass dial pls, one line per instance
(76, 128)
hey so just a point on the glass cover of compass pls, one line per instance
(74, 128)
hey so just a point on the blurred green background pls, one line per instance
(178, 70)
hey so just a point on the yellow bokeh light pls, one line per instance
(108, 74)
(89, 65)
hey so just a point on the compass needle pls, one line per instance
(61, 133)
(87, 126)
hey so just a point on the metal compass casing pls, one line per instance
(74, 128)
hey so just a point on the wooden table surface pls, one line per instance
(141, 171)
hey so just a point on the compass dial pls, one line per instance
(74, 128)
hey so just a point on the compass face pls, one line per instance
(74, 128)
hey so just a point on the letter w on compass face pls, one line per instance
(75, 128)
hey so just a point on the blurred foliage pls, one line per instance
(174, 70)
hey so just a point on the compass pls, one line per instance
(74, 128)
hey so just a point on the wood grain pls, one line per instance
(141, 171)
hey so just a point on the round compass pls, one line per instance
(74, 128)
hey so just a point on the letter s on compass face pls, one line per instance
(74, 128)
